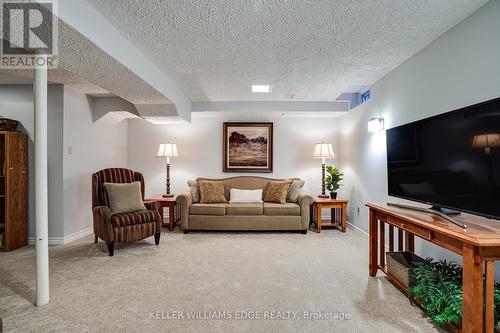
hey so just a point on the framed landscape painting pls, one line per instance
(248, 147)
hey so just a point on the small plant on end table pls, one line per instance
(332, 181)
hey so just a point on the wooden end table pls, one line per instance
(166, 202)
(334, 205)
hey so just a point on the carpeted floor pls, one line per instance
(225, 276)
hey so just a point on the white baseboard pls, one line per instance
(357, 228)
(327, 217)
(363, 232)
(65, 239)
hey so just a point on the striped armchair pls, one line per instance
(122, 227)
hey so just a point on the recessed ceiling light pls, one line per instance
(261, 88)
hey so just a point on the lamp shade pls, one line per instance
(323, 150)
(167, 150)
(486, 141)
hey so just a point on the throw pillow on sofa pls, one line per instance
(294, 190)
(245, 196)
(195, 191)
(277, 191)
(124, 197)
(211, 191)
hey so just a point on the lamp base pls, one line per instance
(167, 195)
(323, 196)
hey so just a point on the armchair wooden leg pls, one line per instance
(111, 248)
(95, 239)
(157, 238)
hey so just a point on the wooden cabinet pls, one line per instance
(13, 190)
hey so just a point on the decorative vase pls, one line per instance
(8, 124)
(333, 195)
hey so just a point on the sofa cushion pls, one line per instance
(208, 209)
(277, 191)
(245, 183)
(294, 190)
(244, 209)
(276, 209)
(125, 219)
(245, 196)
(211, 191)
(195, 192)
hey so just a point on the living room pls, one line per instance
(262, 145)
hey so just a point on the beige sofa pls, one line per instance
(250, 217)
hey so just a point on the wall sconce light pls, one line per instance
(376, 125)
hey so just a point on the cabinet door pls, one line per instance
(17, 191)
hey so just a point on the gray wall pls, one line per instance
(460, 68)
(55, 157)
(94, 146)
(200, 149)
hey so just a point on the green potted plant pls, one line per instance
(437, 287)
(332, 180)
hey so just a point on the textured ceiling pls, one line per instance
(311, 50)
(86, 67)
(79, 55)
(25, 76)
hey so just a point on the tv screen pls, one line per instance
(451, 160)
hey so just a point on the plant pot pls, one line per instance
(333, 195)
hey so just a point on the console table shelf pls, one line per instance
(479, 245)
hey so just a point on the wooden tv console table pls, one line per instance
(479, 245)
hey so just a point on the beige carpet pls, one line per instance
(224, 274)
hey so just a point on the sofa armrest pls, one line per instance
(102, 223)
(184, 201)
(305, 201)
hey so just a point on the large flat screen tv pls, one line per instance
(450, 161)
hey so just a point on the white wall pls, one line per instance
(94, 146)
(460, 68)
(200, 149)
(16, 102)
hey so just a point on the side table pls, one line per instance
(334, 205)
(167, 202)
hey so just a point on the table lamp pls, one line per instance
(323, 151)
(167, 150)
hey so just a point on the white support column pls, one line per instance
(41, 187)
